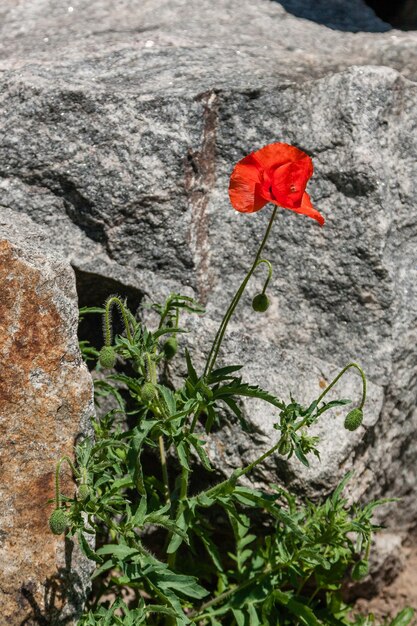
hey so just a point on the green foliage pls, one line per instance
(227, 554)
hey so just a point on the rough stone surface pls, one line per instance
(45, 402)
(119, 127)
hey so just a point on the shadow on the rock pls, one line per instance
(337, 15)
(63, 597)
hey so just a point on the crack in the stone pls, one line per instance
(200, 176)
(78, 208)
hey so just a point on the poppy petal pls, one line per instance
(289, 182)
(307, 208)
(245, 186)
(276, 154)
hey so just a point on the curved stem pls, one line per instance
(107, 319)
(269, 266)
(340, 374)
(211, 359)
(57, 478)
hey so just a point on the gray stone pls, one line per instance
(119, 128)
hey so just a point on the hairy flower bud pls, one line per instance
(170, 348)
(83, 492)
(148, 392)
(353, 419)
(360, 570)
(107, 357)
(58, 521)
(260, 303)
(284, 447)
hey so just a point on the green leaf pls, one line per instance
(169, 524)
(183, 453)
(331, 405)
(192, 374)
(253, 616)
(210, 546)
(301, 456)
(119, 551)
(169, 399)
(160, 608)
(139, 516)
(239, 617)
(403, 618)
(198, 446)
(303, 612)
(182, 522)
(222, 373)
(237, 388)
(169, 329)
(103, 568)
(89, 553)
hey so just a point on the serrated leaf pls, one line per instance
(119, 551)
(169, 329)
(169, 524)
(169, 399)
(139, 516)
(303, 612)
(332, 404)
(86, 549)
(222, 372)
(183, 452)
(301, 456)
(237, 388)
(198, 447)
(109, 564)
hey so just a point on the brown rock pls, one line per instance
(45, 401)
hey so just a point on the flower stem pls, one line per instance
(107, 319)
(340, 374)
(164, 467)
(211, 360)
(57, 478)
(240, 472)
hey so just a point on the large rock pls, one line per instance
(45, 402)
(120, 125)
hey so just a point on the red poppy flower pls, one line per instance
(277, 173)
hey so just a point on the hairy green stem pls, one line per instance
(340, 374)
(163, 456)
(211, 359)
(240, 472)
(57, 478)
(107, 319)
(332, 384)
(197, 615)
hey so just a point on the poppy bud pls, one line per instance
(170, 348)
(353, 419)
(360, 570)
(58, 521)
(284, 447)
(83, 492)
(107, 357)
(260, 303)
(148, 392)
